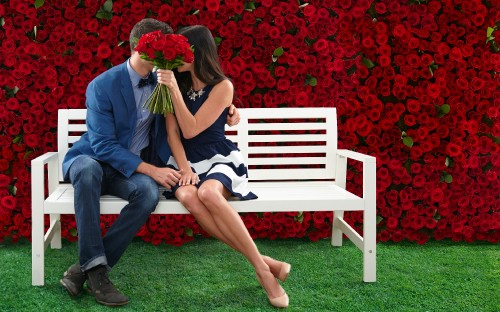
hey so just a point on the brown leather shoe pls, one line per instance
(103, 289)
(73, 280)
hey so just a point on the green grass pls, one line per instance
(205, 275)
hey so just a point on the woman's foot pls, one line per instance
(275, 293)
(279, 269)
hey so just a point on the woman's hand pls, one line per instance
(167, 78)
(233, 117)
(189, 178)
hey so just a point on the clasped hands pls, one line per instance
(170, 177)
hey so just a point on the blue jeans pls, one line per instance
(91, 179)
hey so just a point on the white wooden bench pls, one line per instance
(294, 165)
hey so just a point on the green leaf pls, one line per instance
(249, 6)
(189, 232)
(313, 82)
(309, 41)
(490, 31)
(368, 63)
(39, 3)
(379, 219)
(433, 67)
(299, 217)
(408, 141)
(73, 232)
(2, 21)
(217, 40)
(11, 92)
(278, 51)
(104, 15)
(108, 6)
(445, 108)
(27, 154)
(310, 80)
(447, 178)
(106, 11)
(12, 189)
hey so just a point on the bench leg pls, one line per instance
(369, 223)
(55, 242)
(369, 249)
(336, 231)
(37, 247)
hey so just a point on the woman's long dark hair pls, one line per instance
(206, 60)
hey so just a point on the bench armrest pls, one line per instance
(369, 172)
(355, 155)
(51, 159)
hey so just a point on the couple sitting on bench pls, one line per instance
(125, 154)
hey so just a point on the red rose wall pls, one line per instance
(416, 84)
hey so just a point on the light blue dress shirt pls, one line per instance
(140, 138)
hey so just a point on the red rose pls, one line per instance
(4, 180)
(321, 45)
(301, 99)
(453, 149)
(103, 51)
(8, 202)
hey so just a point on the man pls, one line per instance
(121, 154)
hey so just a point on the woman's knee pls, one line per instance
(209, 196)
(188, 197)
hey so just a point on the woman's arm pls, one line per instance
(220, 97)
(174, 141)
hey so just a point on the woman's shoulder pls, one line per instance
(224, 85)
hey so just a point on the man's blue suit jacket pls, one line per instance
(111, 119)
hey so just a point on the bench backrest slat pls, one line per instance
(277, 143)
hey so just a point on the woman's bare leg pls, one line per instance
(188, 196)
(213, 194)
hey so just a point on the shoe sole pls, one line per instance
(111, 304)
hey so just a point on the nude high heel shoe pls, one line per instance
(284, 271)
(278, 302)
(284, 268)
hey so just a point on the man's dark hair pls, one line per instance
(145, 26)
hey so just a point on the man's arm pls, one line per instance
(105, 140)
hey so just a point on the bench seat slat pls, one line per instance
(275, 196)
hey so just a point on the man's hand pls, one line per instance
(233, 118)
(166, 177)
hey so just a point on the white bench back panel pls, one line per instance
(277, 143)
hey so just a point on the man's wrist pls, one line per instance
(145, 168)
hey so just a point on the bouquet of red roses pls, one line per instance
(165, 51)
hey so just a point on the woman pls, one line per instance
(201, 95)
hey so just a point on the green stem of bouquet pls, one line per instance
(159, 102)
